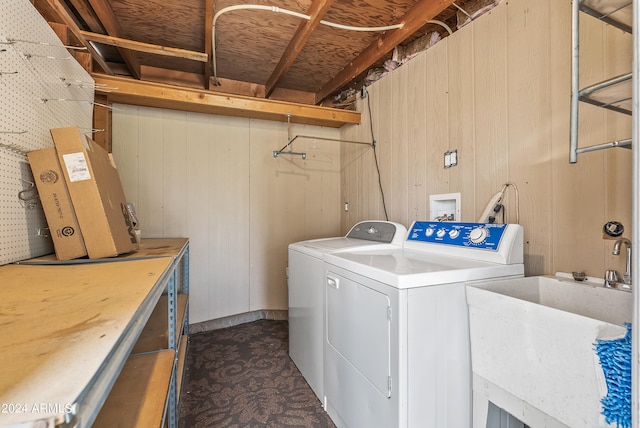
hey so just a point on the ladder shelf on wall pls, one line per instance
(614, 94)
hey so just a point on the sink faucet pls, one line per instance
(616, 252)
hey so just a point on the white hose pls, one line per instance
(287, 12)
(442, 24)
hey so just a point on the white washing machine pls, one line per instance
(306, 296)
(396, 350)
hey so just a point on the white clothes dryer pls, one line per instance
(306, 279)
(396, 350)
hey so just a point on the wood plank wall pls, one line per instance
(498, 91)
(214, 179)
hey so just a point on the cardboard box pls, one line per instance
(56, 202)
(96, 193)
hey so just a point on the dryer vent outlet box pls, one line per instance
(444, 207)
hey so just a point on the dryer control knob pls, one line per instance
(478, 235)
(454, 233)
(428, 232)
(440, 233)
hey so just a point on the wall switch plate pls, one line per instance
(450, 158)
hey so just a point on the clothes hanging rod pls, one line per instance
(304, 155)
(290, 140)
(339, 140)
(277, 153)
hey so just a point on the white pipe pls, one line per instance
(442, 24)
(301, 16)
(462, 10)
(287, 12)
(351, 28)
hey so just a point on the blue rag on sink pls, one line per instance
(615, 360)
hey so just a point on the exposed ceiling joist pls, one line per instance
(208, 36)
(88, 15)
(112, 26)
(145, 47)
(316, 11)
(414, 19)
(264, 55)
(148, 94)
(65, 14)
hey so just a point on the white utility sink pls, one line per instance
(532, 346)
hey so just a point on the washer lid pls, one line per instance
(363, 234)
(402, 268)
(319, 247)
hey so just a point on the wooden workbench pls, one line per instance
(66, 332)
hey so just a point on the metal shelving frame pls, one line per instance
(585, 6)
(614, 94)
(635, 233)
(174, 280)
(175, 330)
(90, 401)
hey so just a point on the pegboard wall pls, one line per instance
(41, 87)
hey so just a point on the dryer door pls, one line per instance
(359, 329)
(358, 363)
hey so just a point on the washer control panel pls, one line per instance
(484, 236)
(377, 231)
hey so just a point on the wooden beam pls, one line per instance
(88, 15)
(110, 23)
(66, 15)
(145, 47)
(102, 121)
(208, 37)
(83, 57)
(85, 60)
(416, 17)
(293, 96)
(62, 31)
(236, 87)
(171, 77)
(148, 94)
(316, 11)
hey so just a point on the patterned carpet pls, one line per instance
(243, 377)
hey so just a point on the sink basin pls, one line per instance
(532, 346)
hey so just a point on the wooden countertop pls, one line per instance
(60, 323)
(169, 247)
(152, 247)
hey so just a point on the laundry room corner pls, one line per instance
(216, 180)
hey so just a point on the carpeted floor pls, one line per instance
(243, 377)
